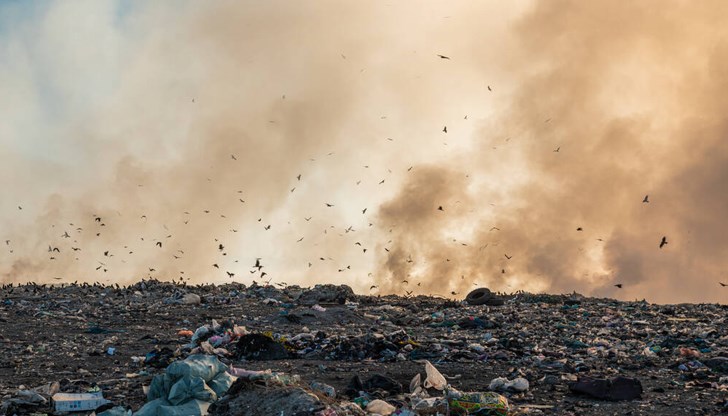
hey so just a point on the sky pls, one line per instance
(417, 147)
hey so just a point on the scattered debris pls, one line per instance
(533, 353)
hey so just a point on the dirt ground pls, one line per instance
(52, 334)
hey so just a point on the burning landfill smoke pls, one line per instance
(438, 148)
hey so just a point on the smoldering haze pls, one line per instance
(575, 111)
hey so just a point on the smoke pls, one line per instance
(154, 135)
(613, 103)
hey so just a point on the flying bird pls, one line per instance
(618, 285)
(646, 200)
(663, 242)
(579, 229)
(489, 88)
(444, 129)
(508, 257)
(159, 244)
(364, 211)
(443, 56)
(723, 284)
(298, 177)
(440, 208)
(215, 266)
(233, 156)
(373, 287)
(329, 205)
(557, 149)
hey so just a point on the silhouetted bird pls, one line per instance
(443, 56)
(329, 205)
(723, 284)
(508, 257)
(159, 244)
(440, 208)
(557, 149)
(646, 200)
(216, 266)
(221, 247)
(444, 129)
(489, 88)
(619, 285)
(579, 229)
(663, 242)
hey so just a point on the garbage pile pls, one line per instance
(121, 350)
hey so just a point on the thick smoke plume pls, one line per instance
(167, 141)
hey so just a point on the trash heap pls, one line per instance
(122, 349)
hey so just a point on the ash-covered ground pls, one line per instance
(74, 338)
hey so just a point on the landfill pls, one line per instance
(170, 349)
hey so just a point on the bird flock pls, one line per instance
(257, 269)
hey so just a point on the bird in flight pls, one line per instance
(508, 257)
(646, 200)
(723, 284)
(557, 149)
(443, 56)
(489, 88)
(373, 287)
(618, 285)
(579, 229)
(663, 242)
(440, 208)
(329, 205)
(444, 129)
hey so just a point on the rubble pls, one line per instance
(536, 351)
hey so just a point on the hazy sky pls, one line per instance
(519, 159)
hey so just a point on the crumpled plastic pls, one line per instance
(187, 388)
(434, 378)
(485, 403)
